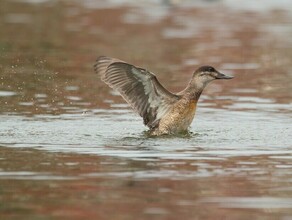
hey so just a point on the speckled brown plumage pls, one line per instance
(162, 111)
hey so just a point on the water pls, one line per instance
(70, 148)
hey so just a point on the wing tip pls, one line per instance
(102, 57)
(101, 64)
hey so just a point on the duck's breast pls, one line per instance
(180, 117)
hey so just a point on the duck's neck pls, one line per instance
(193, 90)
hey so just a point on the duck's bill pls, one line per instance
(222, 76)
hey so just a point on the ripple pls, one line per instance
(73, 98)
(163, 174)
(7, 93)
(72, 88)
(25, 175)
(244, 66)
(18, 18)
(250, 202)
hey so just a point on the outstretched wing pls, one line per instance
(102, 64)
(139, 87)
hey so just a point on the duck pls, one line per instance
(163, 112)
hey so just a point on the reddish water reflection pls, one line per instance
(236, 167)
(75, 186)
(55, 46)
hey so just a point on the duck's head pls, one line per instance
(205, 74)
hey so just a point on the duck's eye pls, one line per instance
(211, 69)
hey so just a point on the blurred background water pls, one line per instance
(70, 148)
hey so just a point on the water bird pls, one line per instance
(162, 111)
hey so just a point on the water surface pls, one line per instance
(70, 148)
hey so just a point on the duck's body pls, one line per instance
(162, 111)
(178, 119)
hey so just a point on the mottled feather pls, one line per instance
(139, 87)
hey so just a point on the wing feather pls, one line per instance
(139, 87)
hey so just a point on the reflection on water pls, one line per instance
(71, 148)
(252, 203)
